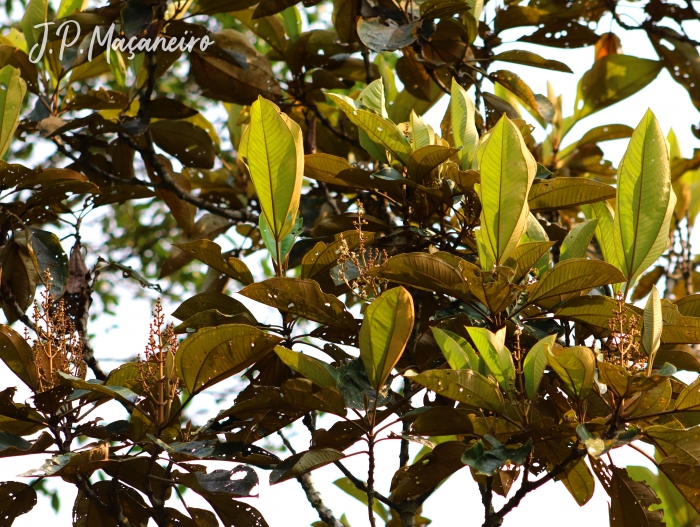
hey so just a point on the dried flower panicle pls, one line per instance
(58, 347)
(624, 343)
(157, 375)
(360, 261)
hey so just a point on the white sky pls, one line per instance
(457, 502)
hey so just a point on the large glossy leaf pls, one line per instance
(208, 301)
(18, 356)
(15, 499)
(567, 192)
(302, 297)
(488, 462)
(304, 462)
(210, 253)
(378, 129)
(612, 79)
(535, 363)
(213, 354)
(497, 357)
(604, 230)
(454, 348)
(531, 59)
(384, 333)
(507, 172)
(463, 124)
(50, 256)
(630, 502)
(576, 368)
(645, 199)
(653, 324)
(11, 96)
(573, 275)
(427, 158)
(576, 243)
(686, 479)
(465, 386)
(274, 154)
(317, 371)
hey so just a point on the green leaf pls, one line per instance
(507, 172)
(303, 462)
(488, 462)
(421, 134)
(208, 252)
(528, 58)
(426, 158)
(208, 301)
(653, 325)
(497, 357)
(576, 368)
(302, 297)
(274, 154)
(535, 363)
(213, 354)
(529, 255)
(285, 246)
(212, 317)
(605, 230)
(612, 79)
(566, 192)
(573, 275)
(67, 7)
(12, 91)
(322, 374)
(18, 356)
(465, 386)
(645, 199)
(689, 398)
(630, 500)
(463, 125)
(349, 487)
(377, 128)
(384, 333)
(36, 12)
(121, 394)
(50, 255)
(372, 98)
(576, 243)
(453, 348)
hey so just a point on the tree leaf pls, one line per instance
(302, 297)
(566, 192)
(535, 363)
(612, 79)
(507, 172)
(384, 333)
(210, 253)
(120, 393)
(208, 301)
(488, 462)
(576, 243)
(213, 354)
(349, 487)
(527, 255)
(531, 59)
(322, 374)
(573, 275)
(274, 154)
(605, 230)
(493, 351)
(36, 12)
(645, 199)
(303, 462)
(325, 168)
(12, 91)
(465, 386)
(653, 325)
(453, 348)
(425, 159)
(630, 500)
(576, 368)
(463, 125)
(86, 513)
(190, 144)
(15, 499)
(18, 356)
(379, 37)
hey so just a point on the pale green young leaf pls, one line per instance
(384, 333)
(507, 171)
(534, 232)
(372, 98)
(576, 368)
(645, 199)
(463, 124)
(576, 243)
(421, 133)
(573, 275)
(37, 12)
(12, 91)
(535, 363)
(317, 371)
(653, 324)
(465, 386)
(604, 230)
(274, 153)
(67, 7)
(495, 354)
(454, 350)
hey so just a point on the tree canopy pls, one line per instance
(509, 299)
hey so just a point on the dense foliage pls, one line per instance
(470, 287)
